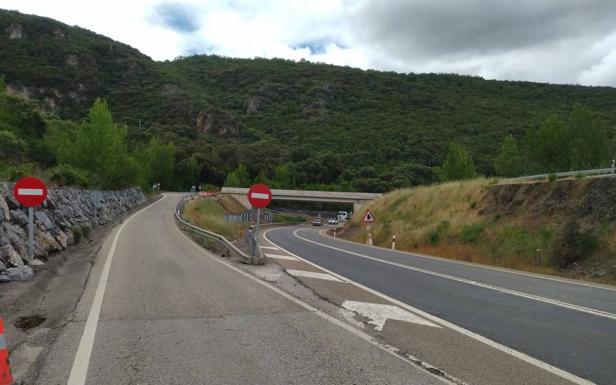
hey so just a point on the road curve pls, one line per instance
(570, 326)
(171, 313)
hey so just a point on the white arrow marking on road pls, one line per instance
(30, 191)
(259, 195)
(378, 313)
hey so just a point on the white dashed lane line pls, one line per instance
(311, 274)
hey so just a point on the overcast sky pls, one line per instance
(556, 41)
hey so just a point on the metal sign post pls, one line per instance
(259, 196)
(30, 232)
(30, 192)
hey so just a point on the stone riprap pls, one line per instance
(65, 212)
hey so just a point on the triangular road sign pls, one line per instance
(368, 217)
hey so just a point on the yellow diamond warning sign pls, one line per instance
(368, 217)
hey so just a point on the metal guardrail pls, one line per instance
(213, 241)
(595, 172)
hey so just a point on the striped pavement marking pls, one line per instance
(283, 257)
(270, 248)
(311, 274)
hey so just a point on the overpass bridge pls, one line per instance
(355, 198)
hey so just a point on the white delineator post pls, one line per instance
(393, 242)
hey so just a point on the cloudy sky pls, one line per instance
(556, 41)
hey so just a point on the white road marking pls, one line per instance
(599, 313)
(269, 248)
(278, 256)
(312, 274)
(79, 371)
(593, 285)
(378, 313)
(522, 356)
(358, 333)
(259, 195)
(30, 191)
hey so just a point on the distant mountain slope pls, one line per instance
(335, 124)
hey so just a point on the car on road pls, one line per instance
(317, 222)
(332, 221)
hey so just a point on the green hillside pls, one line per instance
(333, 127)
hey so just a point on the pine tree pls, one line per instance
(509, 161)
(458, 164)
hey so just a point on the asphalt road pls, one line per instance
(162, 311)
(570, 326)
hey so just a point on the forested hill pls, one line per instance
(330, 125)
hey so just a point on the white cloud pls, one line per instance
(539, 42)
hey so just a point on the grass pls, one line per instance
(464, 221)
(209, 213)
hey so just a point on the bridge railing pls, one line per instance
(213, 241)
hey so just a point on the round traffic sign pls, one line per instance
(30, 191)
(259, 195)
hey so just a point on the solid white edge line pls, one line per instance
(519, 355)
(366, 337)
(582, 309)
(79, 370)
(592, 285)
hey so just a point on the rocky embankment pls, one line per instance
(66, 216)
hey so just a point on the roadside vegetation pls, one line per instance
(225, 121)
(563, 227)
(209, 213)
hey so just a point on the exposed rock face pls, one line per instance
(63, 210)
(216, 123)
(254, 103)
(15, 31)
(71, 60)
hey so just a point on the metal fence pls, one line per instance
(599, 172)
(212, 241)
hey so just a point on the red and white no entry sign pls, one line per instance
(259, 195)
(30, 191)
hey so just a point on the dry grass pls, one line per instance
(449, 220)
(208, 213)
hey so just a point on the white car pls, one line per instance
(332, 221)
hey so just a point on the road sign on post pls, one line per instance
(259, 196)
(30, 192)
(368, 217)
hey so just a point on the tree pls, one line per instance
(548, 147)
(98, 147)
(509, 161)
(161, 158)
(2, 85)
(238, 177)
(457, 165)
(589, 140)
(283, 176)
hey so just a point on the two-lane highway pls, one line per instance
(158, 309)
(568, 325)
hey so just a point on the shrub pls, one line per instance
(470, 233)
(575, 245)
(77, 234)
(65, 175)
(435, 236)
(86, 230)
(552, 177)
